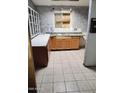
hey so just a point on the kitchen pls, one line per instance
(69, 37)
(58, 34)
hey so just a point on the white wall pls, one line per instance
(90, 53)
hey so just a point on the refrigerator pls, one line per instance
(90, 51)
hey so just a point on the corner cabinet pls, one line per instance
(40, 46)
(41, 56)
(58, 43)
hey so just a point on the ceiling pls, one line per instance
(57, 3)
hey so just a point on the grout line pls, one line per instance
(76, 83)
(64, 79)
(41, 82)
(53, 77)
(62, 66)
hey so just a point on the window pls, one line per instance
(62, 19)
(34, 22)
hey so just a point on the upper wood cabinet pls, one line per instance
(62, 20)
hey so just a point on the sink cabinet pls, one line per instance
(58, 43)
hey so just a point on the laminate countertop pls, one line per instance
(66, 35)
(40, 40)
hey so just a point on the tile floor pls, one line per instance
(66, 74)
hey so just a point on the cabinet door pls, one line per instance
(75, 42)
(52, 43)
(66, 43)
(59, 43)
(63, 42)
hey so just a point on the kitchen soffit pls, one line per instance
(61, 2)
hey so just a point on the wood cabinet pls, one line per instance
(41, 56)
(62, 19)
(58, 43)
(41, 50)
(52, 43)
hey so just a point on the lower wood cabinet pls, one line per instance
(58, 43)
(41, 55)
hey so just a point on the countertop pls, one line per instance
(66, 32)
(53, 35)
(40, 40)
